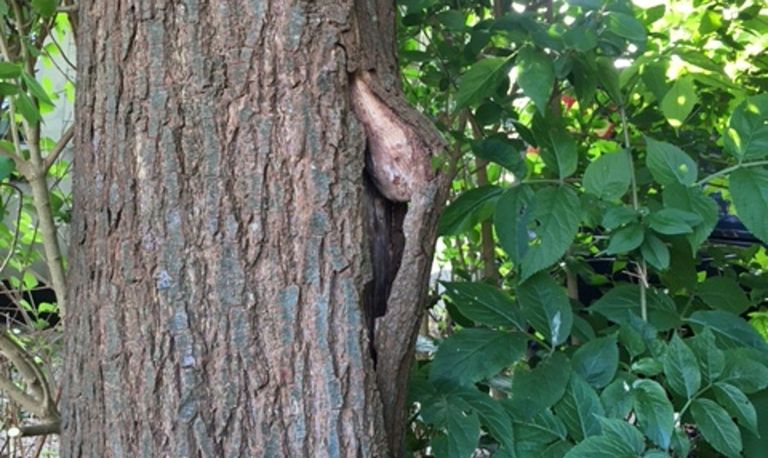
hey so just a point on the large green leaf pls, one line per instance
(730, 327)
(717, 427)
(9, 70)
(480, 81)
(535, 76)
(513, 216)
(621, 304)
(626, 26)
(626, 239)
(558, 148)
(546, 306)
(710, 358)
(655, 414)
(679, 101)
(723, 293)
(737, 404)
(474, 354)
(669, 164)
(655, 252)
(743, 372)
(557, 211)
(485, 304)
(492, 415)
(681, 368)
(609, 176)
(597, 361)
(747, 133)
(503, 151)
(695, 201)
(580, 409)
(541, 387)
(625, 432)
(672, 221)
(601, 447)
(45, 7)
(468, 210)
(749, 190)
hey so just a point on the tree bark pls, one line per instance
(219, 251)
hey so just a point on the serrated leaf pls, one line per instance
(597, 361)
(747, 133)
(474, 354)
(626, 239)
(502, 151)
(609, 176)
(618, 216)
(546, 306)
(655, 252)
(535, 76)
(723, 293)
(738, 405)
(655, 414)
(461, 436)
(695, 201)
(621, 304)
(622, 431)
(626, 26)
(558, 212)
(484, 304)
(558, 150)
(468, 210)
(710, 358)
(681, 368)
(541, 387)
(492, 415)
(743, 372)
(480, 81)
(669, 164)
(671, 221)
(580, 408)
(717, 427)
(513, 216)
(617, 399)
(749, 191)
(679, 102)
(600, 447)
(731, 327)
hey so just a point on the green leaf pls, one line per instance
(35, 88)
(738, 405)
(9, 70)
(482, 303)
(492, 415)
(546, 306)
(480, 81)
(621, 304)
(626, 239)
(655, 415)
(600, 447)
(7, 89)
(681, 368)
(608, 76)
(474, 354)
(671, 221)
(45, 8)
(468, 210)
(731, 327)
(747, 133)
(461, 436)
(452, 20)
(558, 212)
(543, 428)
(679, 102)
(743, 372)
(647, 366)
(749, 191)
(710, 358)
(618, 216)
(579, 409)
(27, 108)
(624, 432)
(7, 167)
(541, 387)
(655, 252)
(626, 26)
(514, 214)
(695, 201)
(617, 399)
(597, 361)
(723, 293)
(559, 150)
(609, 176)
(502, 151)
(587, 4)
(669, 164)
(535, 76)
(717, 427)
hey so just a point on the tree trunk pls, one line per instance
(219, 250)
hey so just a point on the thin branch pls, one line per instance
(60, 146)
(15, 241)
(727, 170)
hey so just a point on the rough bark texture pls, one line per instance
(218, 257)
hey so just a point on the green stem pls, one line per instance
(730, 169)
(689, 401)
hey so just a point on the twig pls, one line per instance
(15, 241)
(60, 146)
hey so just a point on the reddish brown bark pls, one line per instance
(218, 256)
